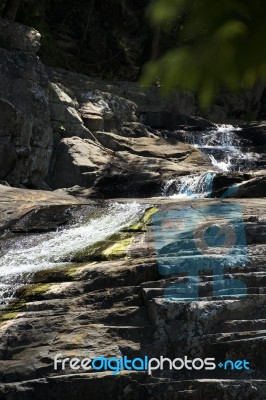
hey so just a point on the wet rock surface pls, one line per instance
(240, 185)
(119, 307)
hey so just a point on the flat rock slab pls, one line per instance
(15, 202)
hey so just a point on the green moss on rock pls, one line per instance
(8, 316)
(76, 268)
(34, 292)
(141, 226)
(58, 274)
(25, 294)
(118, 249)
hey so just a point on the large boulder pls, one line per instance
(77, 162)
(119, 166)
(17, 203)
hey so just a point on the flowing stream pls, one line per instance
(19, 263)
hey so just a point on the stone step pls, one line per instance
(249, 346)
(140, 386)
(239, 325)
(209, 313)
(255, 277)
(181, 288)
(238, 335)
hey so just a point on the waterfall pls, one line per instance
(224, 148)
(226, 153)
(222, 145)
(19, 262)
(192, 186)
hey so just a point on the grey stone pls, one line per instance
(118, 307)
(77, 162)
(92, 117)
(16, 36)
(116, 166)
(8, 159)
(66, 120)
(24, 117)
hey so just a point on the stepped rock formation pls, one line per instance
(117, 307)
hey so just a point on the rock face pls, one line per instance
(25, 127)
(240, 185)
(254, 133)
(65, 119)
(119, 307)
(117, 166)
(77, 162)
(101, 92)
(101, 144)
(154, 110)
(19, 37)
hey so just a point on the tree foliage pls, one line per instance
(10, 8)
(105, 39)
(220, 43)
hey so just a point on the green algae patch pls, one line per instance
(55, 275)
(24, 294)
(108, 249)
(12, 310)
(76, 268)
(34, 292)
(116, 246)
(8, 316)
(118, 249)
(63, 273)
(149, 213)
(141, 226)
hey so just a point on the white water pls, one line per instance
(223, 147)
(193, 186)
(18, 264)
(222, 165)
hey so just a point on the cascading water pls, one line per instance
(19, 263)
(225, 149)
(226, 153)
(193, 186)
